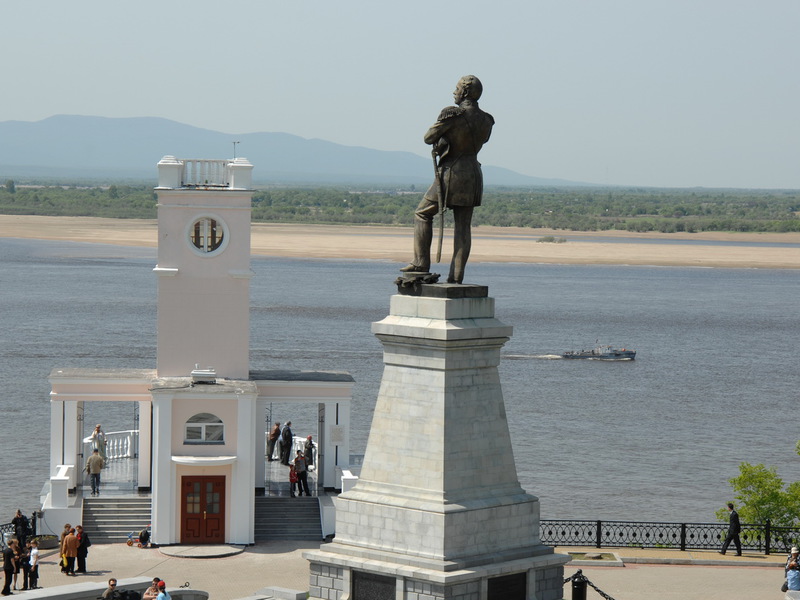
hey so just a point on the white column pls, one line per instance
(335, 443)
(145, 444)
(242, 510)
(165, 520)
(56, 435)
(72, 442)
(259, 446)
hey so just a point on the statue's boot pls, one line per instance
(423, 235)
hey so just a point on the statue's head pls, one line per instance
(469, 87)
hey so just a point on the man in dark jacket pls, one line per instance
(287, 438)
(733, 532)
(83, 548)
(457, 136)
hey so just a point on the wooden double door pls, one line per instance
(203, 509)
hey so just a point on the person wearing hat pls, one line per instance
(162, 591)
(792, 571)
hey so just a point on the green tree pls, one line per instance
(761, 495)
(11, 188)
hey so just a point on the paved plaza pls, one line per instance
(661, 574)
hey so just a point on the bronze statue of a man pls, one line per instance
(457, 136)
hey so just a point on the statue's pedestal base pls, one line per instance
(438, 512)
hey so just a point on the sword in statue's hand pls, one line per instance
(438, 174)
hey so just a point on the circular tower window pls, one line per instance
(207, 235)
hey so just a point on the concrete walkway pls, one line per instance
(231, 572)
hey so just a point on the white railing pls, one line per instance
(119, 444)
(298, 443)
(205, 172)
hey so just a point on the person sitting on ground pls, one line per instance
(112, 593)
(151, 593)
(162, 591)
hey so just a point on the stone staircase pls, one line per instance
(109, 520)
(287, 519)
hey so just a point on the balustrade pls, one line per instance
(119, 444)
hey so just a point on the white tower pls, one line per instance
(204, 266)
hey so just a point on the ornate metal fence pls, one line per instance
(678, 536)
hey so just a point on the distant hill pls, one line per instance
(65, 146)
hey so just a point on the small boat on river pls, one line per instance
(602, 353)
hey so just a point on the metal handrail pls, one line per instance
(764, 538)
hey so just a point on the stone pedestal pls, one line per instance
(438, 512)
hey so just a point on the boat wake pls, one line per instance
(532, 356)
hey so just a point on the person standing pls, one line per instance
(301, 469)
(8, 569)
(93, 467)
(21, 524)
(286, 443)
(25, 564)
(457, 136)
(71, 551)
(99, 441)
(83, 548)
(734, 527)
(292, 480)
(274, 434)
(61, 551)
(308, 452)
(33, 573)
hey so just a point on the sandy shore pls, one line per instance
(490, 244)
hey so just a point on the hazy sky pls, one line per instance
(636, 92)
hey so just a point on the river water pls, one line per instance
(715, 381)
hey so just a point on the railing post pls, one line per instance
(683, 536)
(598, 537)
(579, 585)
(767, 532)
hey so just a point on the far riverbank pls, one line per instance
(490, 244)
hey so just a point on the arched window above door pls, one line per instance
(204, 428)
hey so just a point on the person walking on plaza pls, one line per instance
(274, 434)
(287, 437)
(93, 467)
(83, 548)
(301, 469)
(734, 527)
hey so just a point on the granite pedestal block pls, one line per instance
(438, 508)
